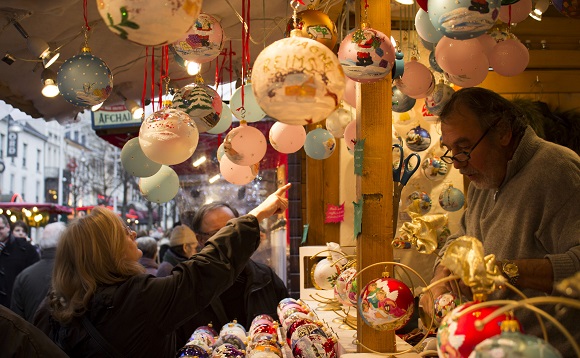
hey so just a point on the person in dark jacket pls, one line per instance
(101, 302)
(16, 254)
(148, 247)
(31, 285)
(20, 338)
(182, 245)
(256, 290)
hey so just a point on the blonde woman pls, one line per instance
(101, 303)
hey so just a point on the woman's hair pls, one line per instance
(21, 224)
(489, 107)
(91, 253)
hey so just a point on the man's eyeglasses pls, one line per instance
(465, 156)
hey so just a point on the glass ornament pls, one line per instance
(308, 4)
(209, 330)
(399, 66)
(386, 304)
(290, 309)
(433, 62)
(168, 136)
(418, 139)
(303, 328)
(460, 57)
(245, 145)
(161, 186)
(319, 144)
(233, 339)
(220, 152)
(516, 12)
(350, 135)
(191, 351)
(444, 304)
(434, 168)
(467, 80)
(195, 341)
(314, 345)
(234, 328)
(149, 23)
(457, 335)
(425, 28)
(569, 8)
(286, 138)
(285, 302)
(262, 319)
(227, 350)
(203, 336)
(423, 198)
(350, 92)
(429, 46)
(509, 58)
(402, 102)
(84, 80)
(404, 122)
(438, 98)
(224, 122)
(487, 44)
(340, 287)
(316, 25)
(203, 42)
(237, 174)
(514, 344)
(250, 110)
(366, 55)
(297, 73)
(339, 119)
(426, 115)
(451, 199)
(324, 274)
(135, 162)
(417, 81)
(295, 316)
(463, 19)
(202, 103)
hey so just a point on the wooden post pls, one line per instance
(375, 186)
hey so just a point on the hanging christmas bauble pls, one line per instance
(319, 144)
(418, 139)
(245, 145)
(202, 103)
(224, 122)
(570, 8)
(404, 122)
(203, 42)
(457, 335)
(286, 138)
(463, 19)
(314, 345)
(517, 12)
(434, 168)
(399, 66)
(460, 57)
(237, 174)
(423, 199)
(402, 102)
(366, 55)
(438, 98)
(135, 162)
(509, 58)
(340, 287)
(227, 350)
(297, 73)
(417, 81)
(350, 92)
(444, 304)
(316, 25)
(350, 135)
(386, 304)
(161, 186)
(433, 62)
(220, 152)
(149, 23)
(308, 4)
(425, 28)
(249, 110)
(168, 136)
(192, 350)
(339, 119)
(451, 199)
(324, 274)
(469, 79)
(515, 344)
(84, 80)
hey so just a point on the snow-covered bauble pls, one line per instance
(203, 42)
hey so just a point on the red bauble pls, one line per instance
(386, 304)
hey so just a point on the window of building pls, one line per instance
(1, 146)
(38, 156)
(12, 179)
(24, 154)
(37, 191)
(23, 189)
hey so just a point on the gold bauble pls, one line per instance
(315, 25)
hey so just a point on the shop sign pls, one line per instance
(113, 117)
(12, 145)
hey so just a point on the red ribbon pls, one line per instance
(86, 15)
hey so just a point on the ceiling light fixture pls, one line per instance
(193, 68)
(38, 47)
(8, 59)
(132, 106)
(97, 106)
(49, 87)
(199, 161)
(214, 178)
(540, 8)
(405, 2)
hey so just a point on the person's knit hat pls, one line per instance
(182, 234)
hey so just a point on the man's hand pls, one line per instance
(275, 203)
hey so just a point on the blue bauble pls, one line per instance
(418, 139)
(85, 80)
(319, 144)
(190, 351)
(433, 63)
(451, 199)
(463, 19)
(399, 66)
(401, 102)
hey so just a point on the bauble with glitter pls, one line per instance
(319, 144)
(201, 103)
(245, 145)
(161, 186)
(316, 25)
(463, 19)
(135, 162)
(286, 138)
(203, 42)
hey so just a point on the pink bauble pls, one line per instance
(456, 56)
(203, 42)
(149, 23)
(517, 12)
(417, 81)
(487, 43)
(202, 103)
(350, 92)
(286, 138)
(237, 174)
(366, 55)
(295, 74)
(469, 79)
(245, 145)
(386, 304)
(168, 136)
(350, 134)
(509, 58)
(339, 119)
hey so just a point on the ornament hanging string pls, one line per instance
(245, 48)
(153, 78)
(164, 76)
(144, 91)
(86, 15)
(366, 6)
